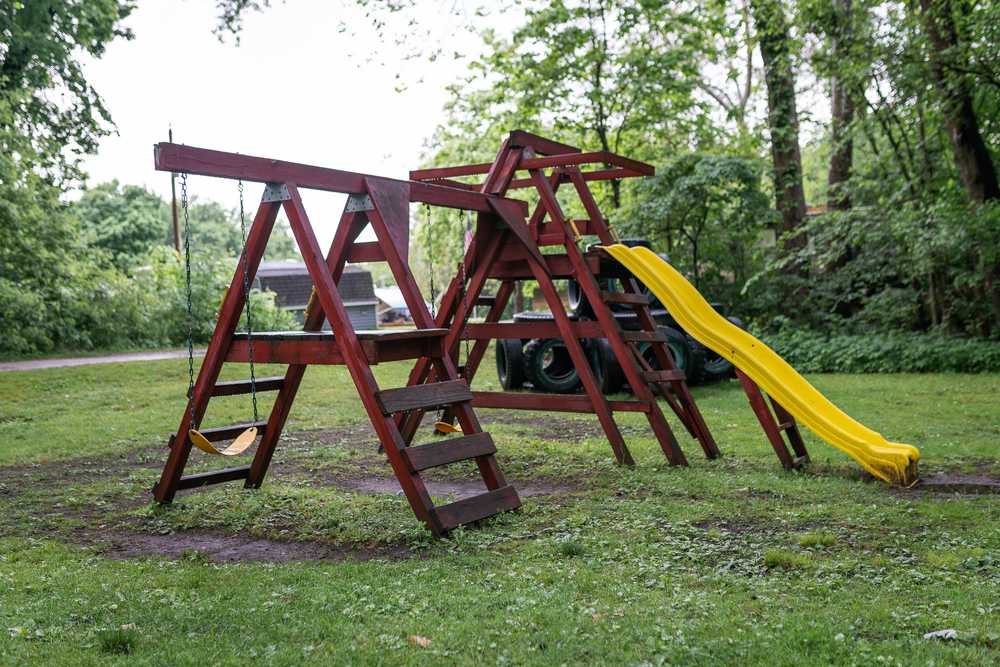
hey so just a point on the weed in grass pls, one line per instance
(817, 539)
(571, 548)
(118, 641)
(782, 559)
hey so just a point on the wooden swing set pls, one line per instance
(506, 247)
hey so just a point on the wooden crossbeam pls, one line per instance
(206, 162)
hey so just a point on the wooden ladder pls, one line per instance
(384, 204)
(507, 247)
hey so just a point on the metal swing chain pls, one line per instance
(246, 300)
(465, 305)
(187, 284)
(430, 258)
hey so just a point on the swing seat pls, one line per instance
(238, 446)
(445, 427)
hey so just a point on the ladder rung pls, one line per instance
(486, 300)
(625, 297)
(230, 432)
(644, 336)
(449, 451)
(422, 396)
(239, 387)
(664, 376)
(477, 507)
(213, 477)
(784, 426)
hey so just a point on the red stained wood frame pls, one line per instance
(207, 162)
(211, 365)
(518, 259)
(773, 425)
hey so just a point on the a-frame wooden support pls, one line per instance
(793, 453)
(507, 248)
(383, 204)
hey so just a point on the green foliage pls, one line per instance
(118, 641)
(125, 221)
(41, 42)
(830, 352)
(100, 308)
(706, 211)
(782, 559)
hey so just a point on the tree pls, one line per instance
(42, 41)
(776, 49)
(841, 110)
(705, 211)
(123, 220)
(949, 64)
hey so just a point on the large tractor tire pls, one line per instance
(605, 365)
(685, 356)
(548, 366)
(510, 363)
(716, 368)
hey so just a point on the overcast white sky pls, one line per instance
(294, 89)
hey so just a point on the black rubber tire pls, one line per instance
(717, 368)
(605, 365)
(679, 347)
(548, 366)
(510, 363)
(578, 304)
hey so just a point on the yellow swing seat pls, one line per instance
(242, 442)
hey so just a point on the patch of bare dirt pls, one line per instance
(457, 488)
(548, 427)
(961, 484)
(219, 548)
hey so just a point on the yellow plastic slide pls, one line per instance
(890, 461)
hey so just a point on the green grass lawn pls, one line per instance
(732, 561)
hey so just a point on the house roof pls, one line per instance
(290, 267)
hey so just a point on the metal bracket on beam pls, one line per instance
(359, 202)
(275, 192)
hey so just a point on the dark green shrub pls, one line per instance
(816, 352)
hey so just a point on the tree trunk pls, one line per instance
(782, 118)
(975, 165)
(842, 114)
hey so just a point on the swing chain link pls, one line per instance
(246, 300)
(187, 284)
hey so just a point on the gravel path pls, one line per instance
(35, 364)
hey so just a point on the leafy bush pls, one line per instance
(100, 308)
(817, 352)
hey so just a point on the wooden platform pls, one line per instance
(306, 347)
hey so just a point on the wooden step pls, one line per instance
(214, 477)
(625, 297)
(229, 432)
(239, 387)
(644, 336)
(448, 451)
(477, 507)
(424, 396)
(664, 376)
